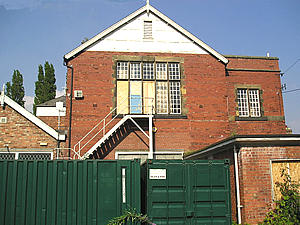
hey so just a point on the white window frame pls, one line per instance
(248, 100)
(122, 68)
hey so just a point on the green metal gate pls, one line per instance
(67, 192)
(187, 192)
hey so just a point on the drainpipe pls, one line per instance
(70, 114)
(237, 185)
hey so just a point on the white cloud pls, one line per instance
(59, 93)
(28, 102)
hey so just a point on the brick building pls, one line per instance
(23, 135)
(255, 166)
(148, 68)
(147, 88)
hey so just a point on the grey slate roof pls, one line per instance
(52, 102)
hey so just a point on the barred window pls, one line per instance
(148, 87)
(135, 71)
(148, 71)
(161, 71)
(162, 97)
(175, 98)
(248, 103)
(174, 71)
(122, 68)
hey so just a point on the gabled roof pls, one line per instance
(52, 102)
(39, 123)
(147, 8)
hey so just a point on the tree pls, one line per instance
(45, 88)
(15, 89)
(287, 209)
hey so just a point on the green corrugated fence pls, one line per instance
(67, 192)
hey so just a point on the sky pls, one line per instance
(35, 31)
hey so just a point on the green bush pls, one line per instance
(130, 215)
(287, 209)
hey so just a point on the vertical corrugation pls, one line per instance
(95, 193)
(39, 193)
(59, 200)
(44, 191)
(65, 192)
(64, 177)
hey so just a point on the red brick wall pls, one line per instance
(255, 179)
(52, 121)
(209, 100)
(19, 132)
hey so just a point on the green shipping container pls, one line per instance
(187, 192)
(67, 192)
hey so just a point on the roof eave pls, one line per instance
(39, 123)
(248, 141)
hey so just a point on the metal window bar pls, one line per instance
(242, 97)
(175, 98)
(254, 103)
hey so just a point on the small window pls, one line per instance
(135, 71)
(147, 29)
(174, 71)
(248, 103)
(161, 71)
(175, 98)
(148, 71)
(162, 97)
(122, 70)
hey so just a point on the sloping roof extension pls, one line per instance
(147, 8)
(52, 102)
(247, 141)
(39, 123)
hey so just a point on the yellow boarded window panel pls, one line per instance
(122, 97)
(291, 167)
(149, 97)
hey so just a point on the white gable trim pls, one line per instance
(5, 99)
(146, 8)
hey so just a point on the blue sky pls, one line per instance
(35, 31)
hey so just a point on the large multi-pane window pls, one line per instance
(148, 87)
(248, 102)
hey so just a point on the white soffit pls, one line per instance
(190, 43)
(33, 119)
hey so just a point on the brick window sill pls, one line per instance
(262, 118)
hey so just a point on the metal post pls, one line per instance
(150, 155)
(237, 183)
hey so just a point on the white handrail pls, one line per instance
(79, 145)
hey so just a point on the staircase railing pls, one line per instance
(119, 110)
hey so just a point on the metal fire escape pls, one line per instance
(85, 148)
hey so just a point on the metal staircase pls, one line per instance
(84, 149)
